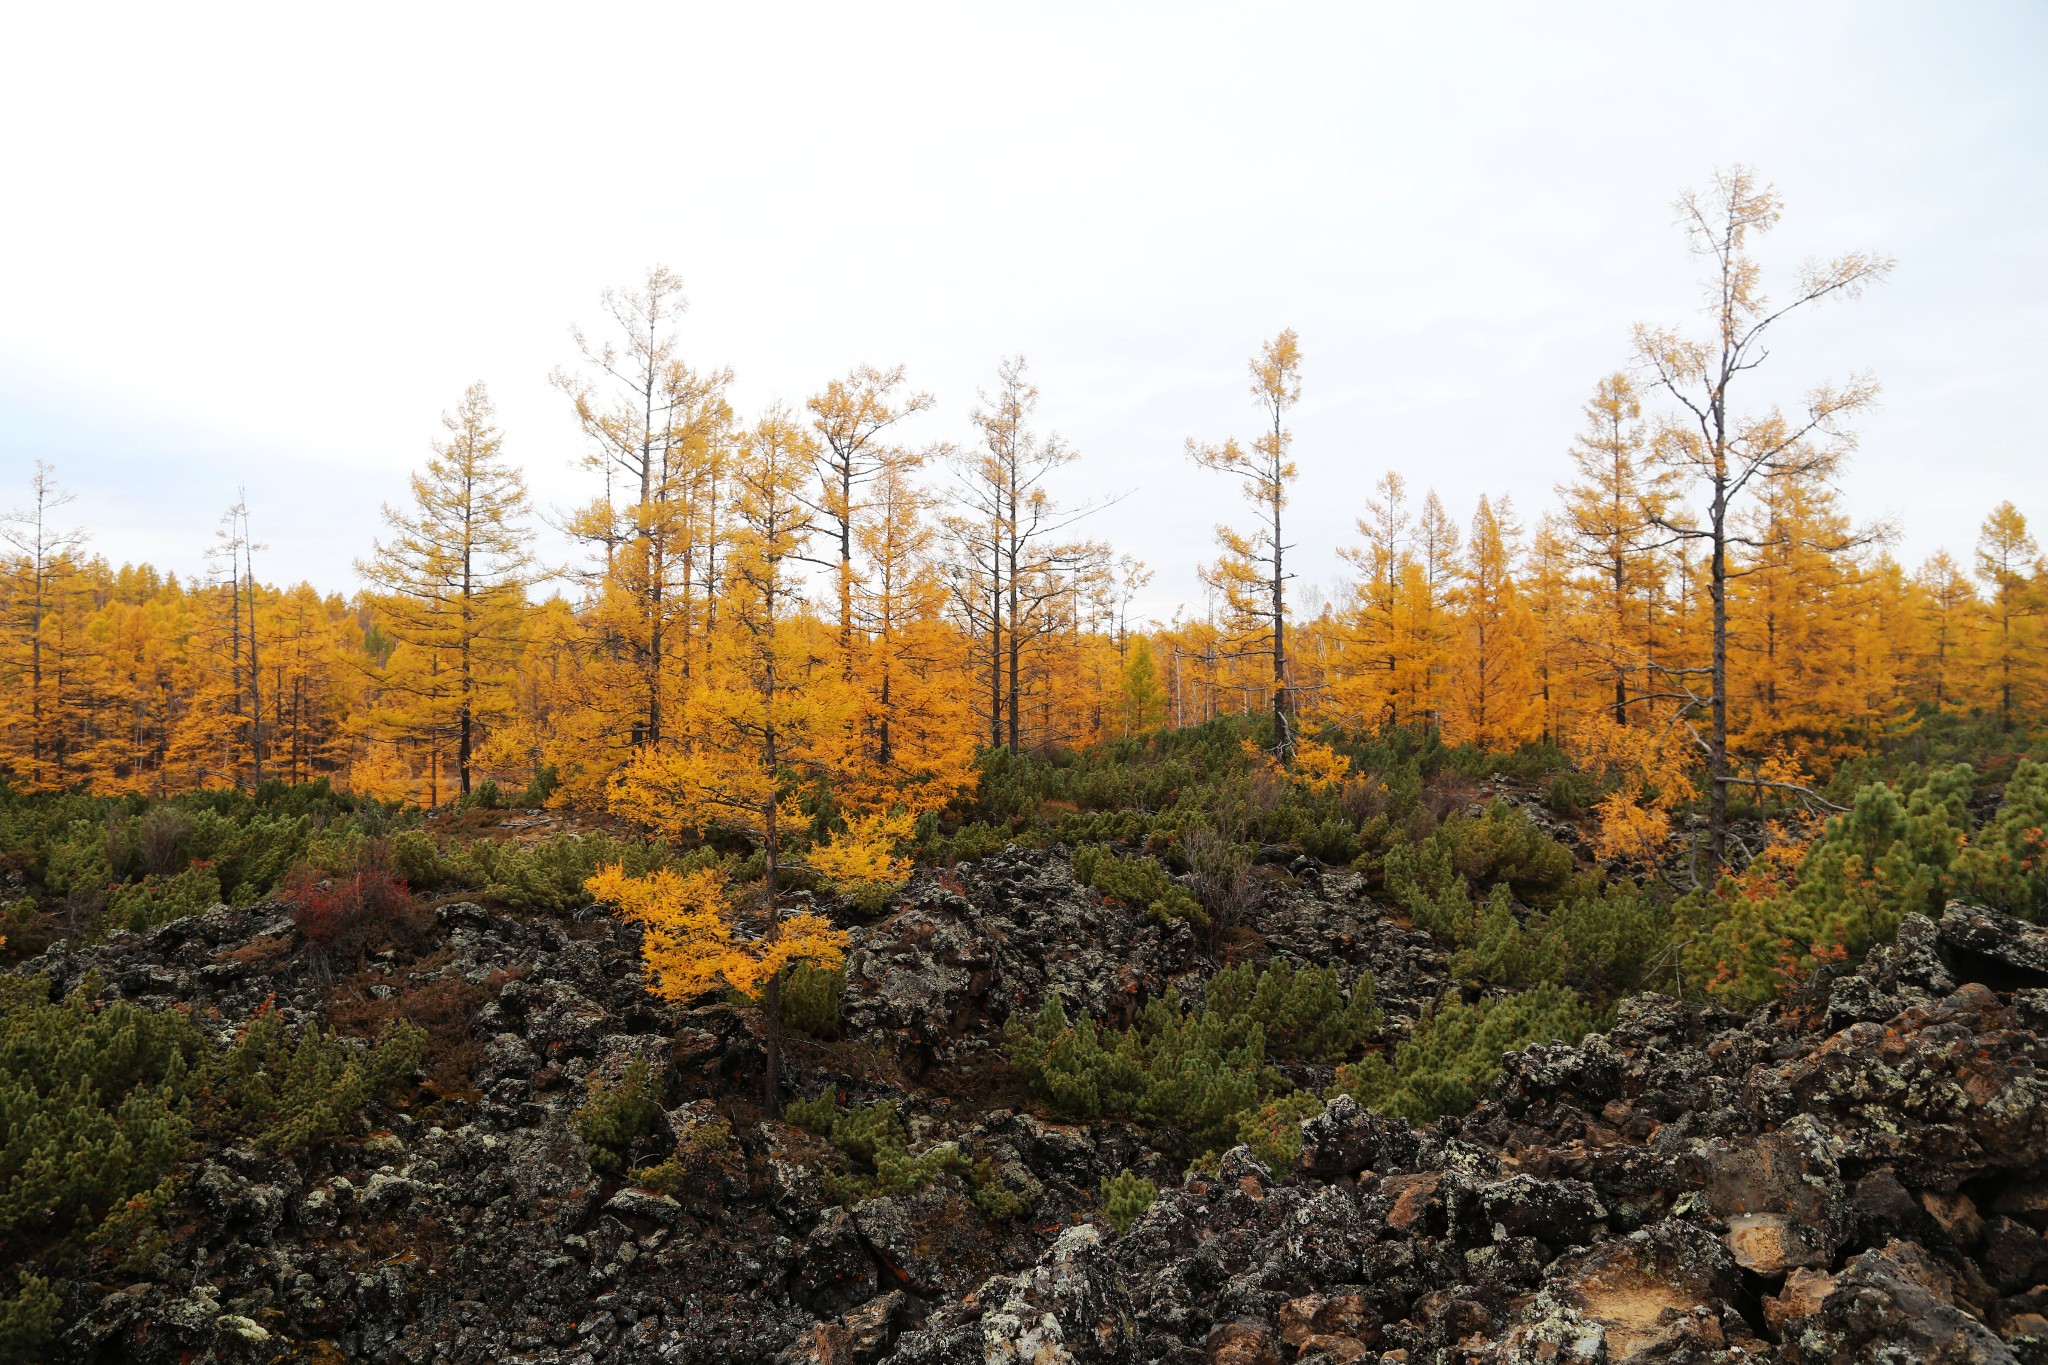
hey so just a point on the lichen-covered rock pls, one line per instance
(1347, 1138)
(1069, 1307)
(1892, 1303)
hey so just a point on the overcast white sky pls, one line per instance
(267, 246)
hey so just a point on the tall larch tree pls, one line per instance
(1493, 664)
(2010, 568)
(1554, 615)
(451, 579)
(1797, 596)
(1946, 620)
(37, 575)
(1010, 563)
(912, 721)
(1252, 574)
(1719, 453)
(220, 735)
(1431, 581)
(765, 731)
(854, 419)
(1610, 509)
(1366, 690)
(657, 431)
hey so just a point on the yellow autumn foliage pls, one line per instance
(869, 852)
(693, 944)
(1319, 767)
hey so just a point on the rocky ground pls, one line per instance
(1859, 1174)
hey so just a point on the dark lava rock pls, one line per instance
(1863, 1178)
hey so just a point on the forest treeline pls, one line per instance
(1697, 613)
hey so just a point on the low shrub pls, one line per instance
(1125, 1199)
(970, 843)
(1137, 881)
(545, 876)
(1603, 943)
(618, 1119)
(1219, 873)
(810, 999)
(1454, 1053)
(158, 900)
(1273, 1129)
(288, 1089)
(348, 913)
(28, 1320)
(1570, 794)
(105, 1100)
(1303, 1015)
(97, 1099)
(873, 1137)
(1197, 1070)
(1892, 853)
(444, 1008)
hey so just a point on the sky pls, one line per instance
(265, 247)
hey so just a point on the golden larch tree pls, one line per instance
(764, 735)
(1717, 452)
(1251, 575)
(1492, 699)
(450, 587)
(2009, 565)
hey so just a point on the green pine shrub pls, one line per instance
(77, 860)
(95, 1103)
(616, 1117)
(1454, 1053)
(1137, 881)
(1891, 854)
(1570, 794)
(28, 1319)
(1303, 1015)
(810, 999)
(970, 843)
(156, 900)
(1196, 1070)
(998, 1202)
(1125, 1198)
(1273, 1129)
(2005, 864)
(102, 1103)
(1604, 942)
(873, 1136)
(291, 1088)
(250, 853)
(545, 876)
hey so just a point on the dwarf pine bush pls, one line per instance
(617, 1116)
(1196, 1069)
(1125, 1199)
(94, 1102)
(874, 1137)
(1889, 855)
(1454, 1053)
(291, 1088)
(810, 999)
(101, 1103)
(1137, 881)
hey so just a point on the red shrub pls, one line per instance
(345, 912)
